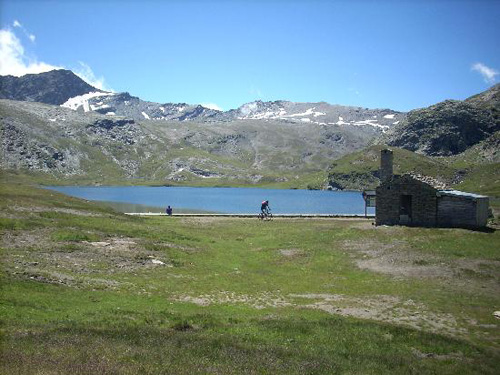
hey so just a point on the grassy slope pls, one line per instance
(356, 170)
(68, 308)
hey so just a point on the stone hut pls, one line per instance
(421, 201)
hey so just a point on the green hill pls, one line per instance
(475, 170)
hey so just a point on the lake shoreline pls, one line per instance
(220, 200)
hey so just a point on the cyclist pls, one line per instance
(264, 208)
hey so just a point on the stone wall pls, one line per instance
(423, 197)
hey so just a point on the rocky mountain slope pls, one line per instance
(319, 113)
(449, 127)
(91, 136)
(92, 147)
(54, 87)
(102, 136)
(64, 88)
(124, 104)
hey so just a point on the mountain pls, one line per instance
(449, 127)
(456, 143)
(319, 113)
(90, 136)
(96, 136)
(63, 87)
(91, 147)
(54, 87)
(124, 104)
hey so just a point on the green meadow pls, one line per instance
(85, 289)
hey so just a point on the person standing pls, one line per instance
(169, 211)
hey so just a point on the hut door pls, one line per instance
(405, 209)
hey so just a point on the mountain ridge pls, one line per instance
(74, 93)
(449, 127)
(98, 137)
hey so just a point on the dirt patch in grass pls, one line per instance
(399, 260)
(386, 309)
(396, 259)
(32, 255)
(258, 301)
(291, 253)
(382, 308)
(31, 240)
(70, 211)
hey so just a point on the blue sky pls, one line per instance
(378, 54)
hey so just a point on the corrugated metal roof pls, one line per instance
(461, 194)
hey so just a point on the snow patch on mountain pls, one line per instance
(371, 123)
(83, 100)
(145, 115)
(309, 112)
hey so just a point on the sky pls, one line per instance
(400, 55)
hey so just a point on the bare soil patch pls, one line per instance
(32, 255)
(382, 308)
(291, 253)
(399, 260)
(70, 211)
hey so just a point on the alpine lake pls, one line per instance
(221, 200)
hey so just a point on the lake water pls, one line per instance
(226, 200)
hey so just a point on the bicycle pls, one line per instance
(265, 215)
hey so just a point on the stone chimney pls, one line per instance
(385, 165)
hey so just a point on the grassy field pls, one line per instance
(88, 290)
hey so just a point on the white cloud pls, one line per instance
(488, 73)
(211, 106)
(29, 35)
(13, 60)
(86, 73)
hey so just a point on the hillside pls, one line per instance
(96, 137)
(360, 170)
(475, 170)
(88, 147)
(450, 127)
(84, 135)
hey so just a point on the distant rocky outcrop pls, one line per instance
(449, 127)
(54, 87)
